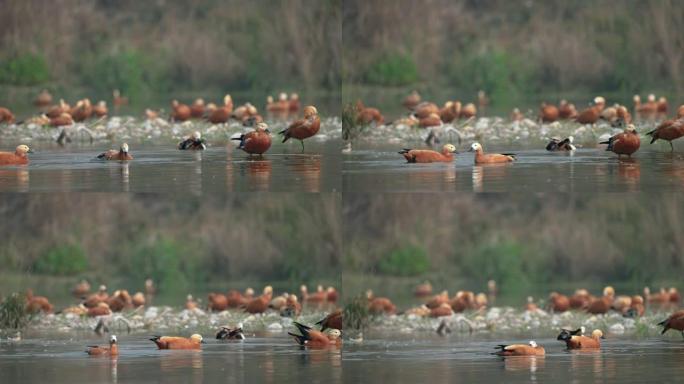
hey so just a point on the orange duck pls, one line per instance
(531, 349)
(469, 110)
(82, 111)
(675, 321)
(548, 113)
(668, 130)
(303, 128)
(190, 303)
(332, 321)
(58, 110)
(450, 112)
(171, 342)
(675, 297)
(490, 158)
(426, 109)
(197, 108)
(222, 114)
(112, 154)
(432, 120)
(100, 109)
(558, 302)
(193, 142)
(96, 298)
(237, 299)
(566, 110)
(625, 143)
(602, 304)
(180, 112)
(423, 290)
(580, 299)
(101, 309)
(118, 100)
(463, 300)
(260, 304)
(111, 350)
(581, 341)
(317, 297)
(309, 337)
(217, 302)
(44, 99)
(366, 115)
(589, 116)
(331, 294)
(438, 300)
(36, 304)
(292, 307)
(636, 307)
(138, 300)
(380, 305)
(62, 120)
(18, 157)
(81, 289)
(530, 306)
(294, 103)
(662, 105)
(256, 142)
(429, 156)
(443, 309)
(412, 100)
(680, 111)
(6, 116)
(119, 301)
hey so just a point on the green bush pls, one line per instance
(26, 69)
(63, 259)
(393, 69)
(510, 263)
(356, 315)
(174, 265)
(13, 313)
(411, 260)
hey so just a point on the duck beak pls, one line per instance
(267, 130)
(203, 342)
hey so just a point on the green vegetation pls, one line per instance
(13, 313)
(350, 127)
(356, 315)
(393, 69)
(410, 260)
(63, 259)
(24, 69)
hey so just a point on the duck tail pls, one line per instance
(298, 338)
(285, 134)
(605, 142)
(404, 151)
(513, 155)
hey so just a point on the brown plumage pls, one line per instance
(100, 109)
(112, 154)
(469, 110)
(380, 305)
(425, 109)
(443, 309)
(197, 108)
(581, 341)
(18, 157)
(43, 99)
(311, 338)
(81, 289)
(62, 120)
(171, 342)
(558, 302)
(217, 302)
(111, 350)
(6, 116)
(82, 111)
(256, 142)
(668, 130)
(580, 299)
(118, 100)
(490, 158)
(366, 115)
(548, 113)
(625, 143)
(450, 112)
(531, 349)
(431, 120)
(332, 320)
(412, 100)
(303, 128)
(675, 321)
(566, 110)
(260, 304)
(423, 290)
(428, 155)
(101, 309)
(180, 112)
(37, 303)
(589, 116)
(438, 300)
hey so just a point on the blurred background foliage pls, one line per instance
(181, 244)
(513, 48)
(157, 46)
(629, 240)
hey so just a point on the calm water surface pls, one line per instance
(162, 168)
(378, 167)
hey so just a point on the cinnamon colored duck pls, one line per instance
(309, 337)
(111, 350)
(428, 155)
(303, 128)
(531, 349)
(625, 143)
(256, 142)
(18, 157)
(490, 158)
(171, 342)
(112, 154)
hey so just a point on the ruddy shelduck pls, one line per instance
(111, 350)
(490, 158)
(668, 130)
(531, 349)
(580, 341)
(675, 321)
(172, 342)
(625, 143)
(423, 290)
(428, 155)
(303, 128)
(548, 113)
(309, 337)
(332, 321)
(558, 302)
(18, 157)
(255, 142)
(81, 289)
(37, 303)
(412, 100)
(180, 112)
(6, 116)
(112, 154)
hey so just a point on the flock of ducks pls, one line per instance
(328, 331)
(254, 142)
(425, 114)
(101, 305)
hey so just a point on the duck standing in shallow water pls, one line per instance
(112, 350)
(624, 143)
(429, 156)
(194, 142)
(668, 130)
(556, 144)
(531, 349)
(303, 128)
(256, 142)
(675, 321)
(18, 157)
(171, 342)
(490, 158)
(113, 154)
